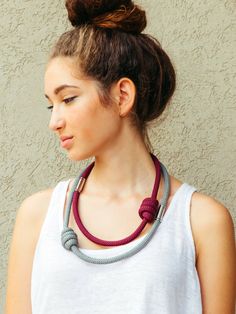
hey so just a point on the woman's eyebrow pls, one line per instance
(60, 88)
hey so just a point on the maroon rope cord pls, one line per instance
(148, 210)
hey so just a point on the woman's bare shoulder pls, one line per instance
(35, 206)
(209, 216)
(28, 222)
(213, 231)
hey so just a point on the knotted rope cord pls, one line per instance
(69, 237)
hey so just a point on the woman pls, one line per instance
(105, 81)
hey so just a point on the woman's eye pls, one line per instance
(50, 108)
(68, 100)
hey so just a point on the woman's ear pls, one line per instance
(125, 93)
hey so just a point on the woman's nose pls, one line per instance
(56, 122)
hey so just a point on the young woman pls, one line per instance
(105, 81)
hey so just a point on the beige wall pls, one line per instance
(195, 138)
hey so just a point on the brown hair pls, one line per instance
(108, 43)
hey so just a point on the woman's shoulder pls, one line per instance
(33, 209)
(37, 203)
(211, 222)
(208, 216)
(29, 219)
(204, 208)
(36, 198)
(214, 238)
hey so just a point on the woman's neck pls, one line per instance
(122, 171)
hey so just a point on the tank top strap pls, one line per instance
(54, 216)
(180, 203)
(181, 217)
(187, 221)
(183, 204)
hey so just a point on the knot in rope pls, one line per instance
(68, 238)
(149, 209)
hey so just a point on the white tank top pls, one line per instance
(161, 278)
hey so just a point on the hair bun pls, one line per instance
(115, 14)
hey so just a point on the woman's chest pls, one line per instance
(107, 220)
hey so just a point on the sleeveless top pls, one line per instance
(161, 278)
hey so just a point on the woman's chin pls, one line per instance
(75, 156)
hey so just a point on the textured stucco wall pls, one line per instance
(195, 138)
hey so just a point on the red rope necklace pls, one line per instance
(148, 210)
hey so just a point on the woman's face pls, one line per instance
(85, 127)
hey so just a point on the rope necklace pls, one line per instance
(69, 238)
(148, 210)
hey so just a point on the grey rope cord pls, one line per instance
(69, 237)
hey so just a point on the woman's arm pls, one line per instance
(216, 256)
(25, 235)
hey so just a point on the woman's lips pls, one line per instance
(66, 142)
